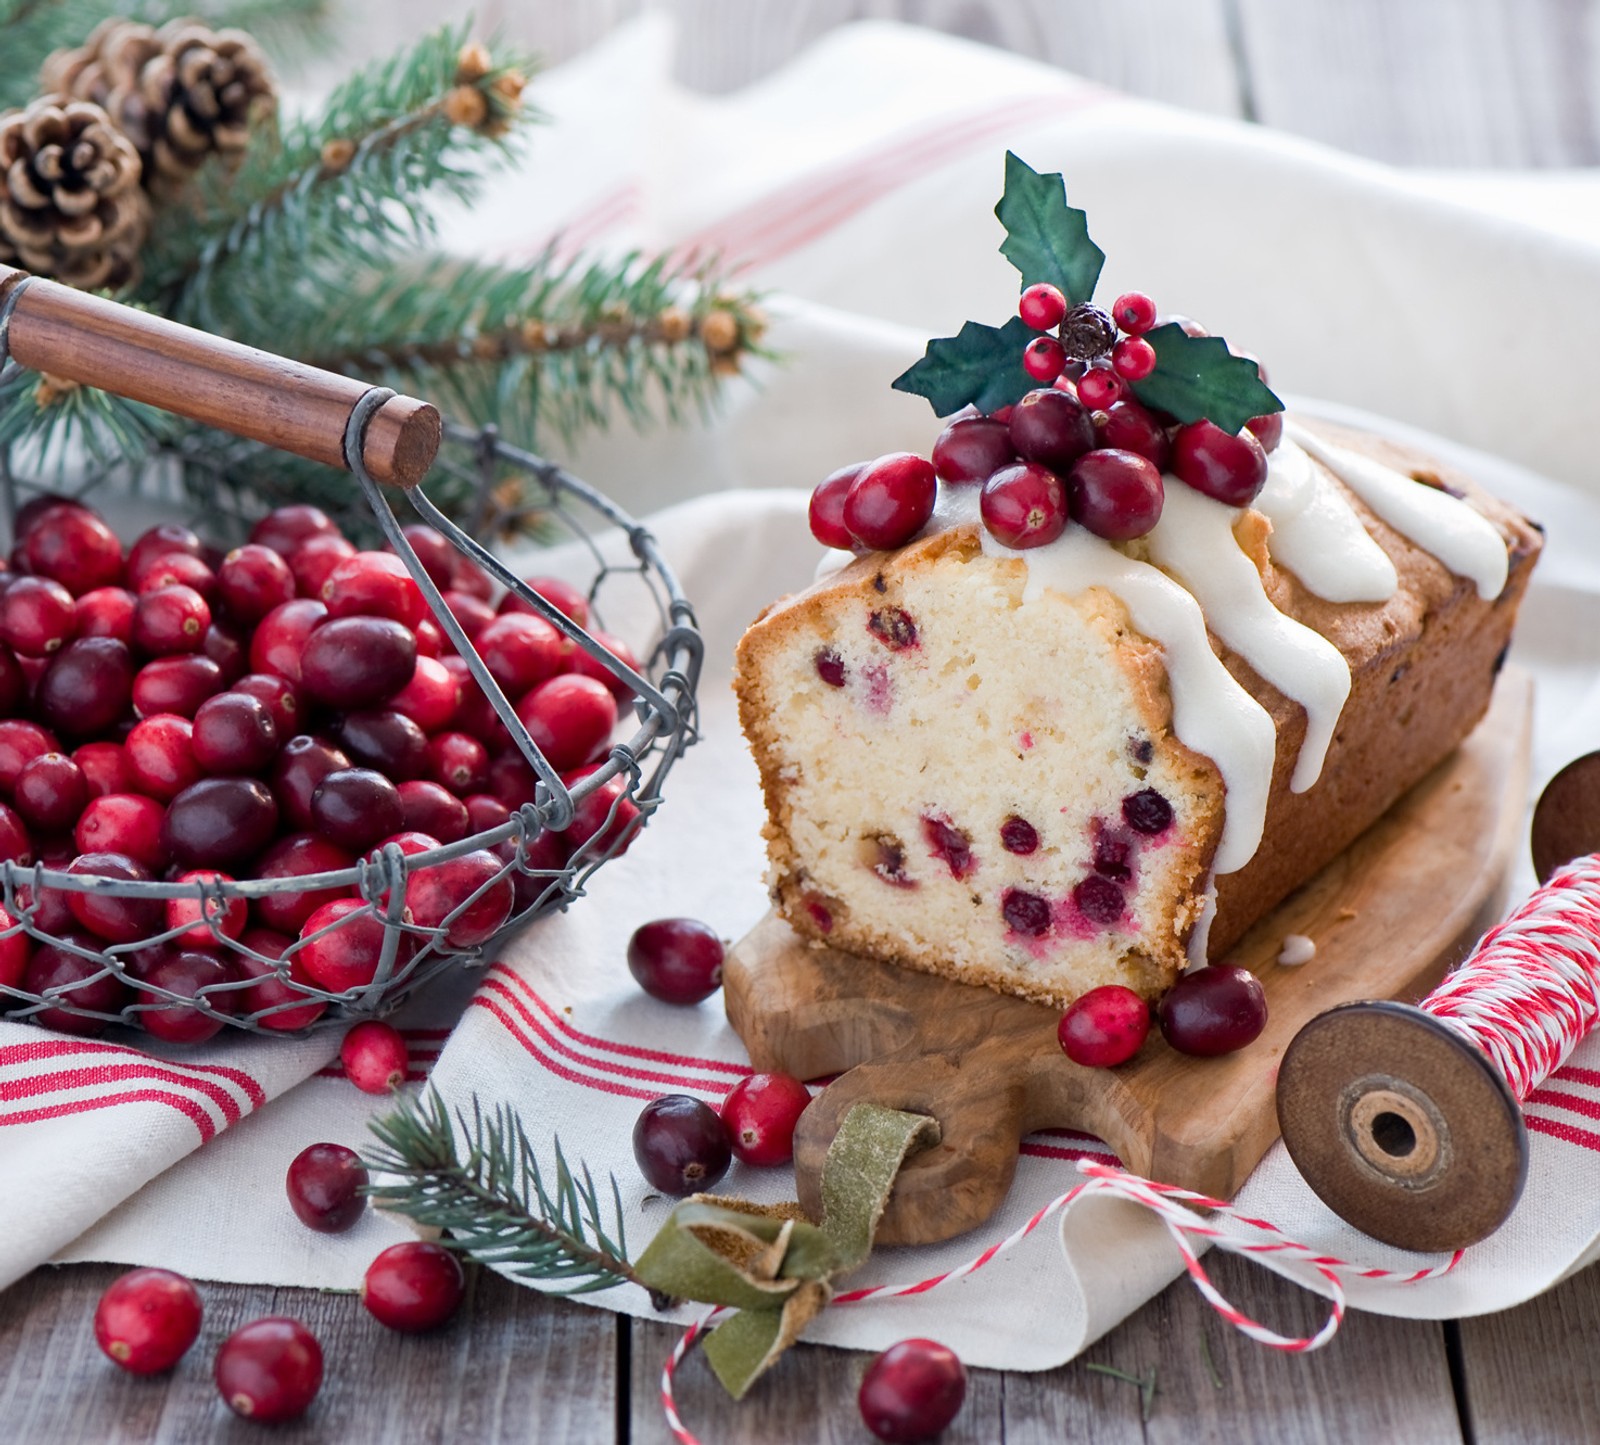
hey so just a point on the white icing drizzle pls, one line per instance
(1200, 935)
(1465, 541)
(1317, 535)
(1297, 949)
(1194, 542)
(1211, 712)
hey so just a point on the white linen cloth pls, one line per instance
(860, 183)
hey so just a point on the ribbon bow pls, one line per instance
(767, 1260)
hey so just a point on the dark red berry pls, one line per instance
(195, 977)
(1213, 1010)
(15, 844)
(324, 1185)
(300, 855)
(220, 822)
(302, 764)
(826, 512)
(429, 808)
(117, 920)
(1230, 468)
(432, 697)
(484, 811)
(347, 956)
(169, 620)
(1105, 1027)
(374, 584)
(355, 807)
(87, 688)
(413, 1286)
(677, 960)
(1115, 494)
(1024, 505)
(20, 743)
(387, 740)
(1134, 312)
(1044, 358)
(36, 616)
(1147, 811)
(1051, 428)
(439, 559)
(280, 1004)
(106, 612)
(271, 1369)
(86, 992)
(1018, 835)
(147, 1319)
(681, 1146)
(1099, 900)
(277, 694)
(126, 823)
(280, 639)
(604, 819)
(161, 756)
(314, 561)
(563, 596)
(830, 667)
(72, 546)
(470, 610)
(1025, 913)
(473, 892)
(1042, 306)
(760, 1113)
(972, 449)
(152, 545)
(1268, 430)
(251, 581)
(912, 1391)
(286, 528)
(891, 501)
(105, 770)
(1133, 358)
(178, 569)
(175, 685)
(16, 948)
(1128, 426)
(374, 1054)
(570, 718)
(357, 662)
(949, 844)
(1099, 387)
(51, 793)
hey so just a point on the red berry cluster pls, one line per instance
(1081, 448)
(169, 712)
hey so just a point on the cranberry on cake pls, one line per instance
(1128, 661)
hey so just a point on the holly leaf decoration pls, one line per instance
(1197, 377)
(980, 365)
(1046, 239)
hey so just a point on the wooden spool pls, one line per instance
(77, 337)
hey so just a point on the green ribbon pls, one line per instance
(767, 1260)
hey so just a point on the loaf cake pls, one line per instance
(1040, 770)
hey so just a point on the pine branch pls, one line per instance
(495, 1204)
(47, 427)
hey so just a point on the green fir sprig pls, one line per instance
(491, 1198)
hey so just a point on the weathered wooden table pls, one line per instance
(1429, 82)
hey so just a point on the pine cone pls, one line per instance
(181, 93)
(71, 207)
(1087, 333)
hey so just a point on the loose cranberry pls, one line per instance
(1128, 426)
(438, 557)
(1230, 468)
(1105, 1027)
(87, 688)
(1133, 358)
(912, 1391)
(681, 1146)
(586, 666)
(413, 1286)
(324, 1186)
(972, 450)
(72, 546)
(220, 822)
(520, 651)
(300, 855)
(193, 976)
(374, 584)
(51, 793)
(677, 960)
(563, 596)
(175, 685)
(106, 612)
(302, 764)
(1044, 358)
(471, 611)
(1042, 306)
(277, 694)
(280, 639)
(1018, 835)
(125, 823)
(830, 667)
(1115, 494)
(891, 501)
(355, 807)
(205, 923)
(894, 627)
(117, 920)
(276, 999)
(105, 770)
(158, 542)
(161, 756)
(86, 990)
(147, 1319)
(388, 741)
(178, 569)
(286, 528)
(251, 581)
(570, 718)
(760, 1113)
(348, 955)
(1025, 913)
(476, 884)
(429, 808)
(826, 510)
(604, 818)
(316, 560)
(1268, 430)
(1147, 811)
(1099, 387)
(1213, 1010)
(1051, 428)
(270, 1370)
(15, 844)
(375, 1057)
(483, 812)
(16, 948)
(37, 616)
(357, 662)
(20, 743)
(461, 763)
(1024, 505)
(432, 696)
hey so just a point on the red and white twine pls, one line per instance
(1526, 995)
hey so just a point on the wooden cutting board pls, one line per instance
(1389, 916)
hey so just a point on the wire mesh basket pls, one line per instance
(81, 952)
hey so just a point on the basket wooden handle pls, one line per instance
(218, 383)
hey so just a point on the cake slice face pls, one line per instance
(977, 780)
